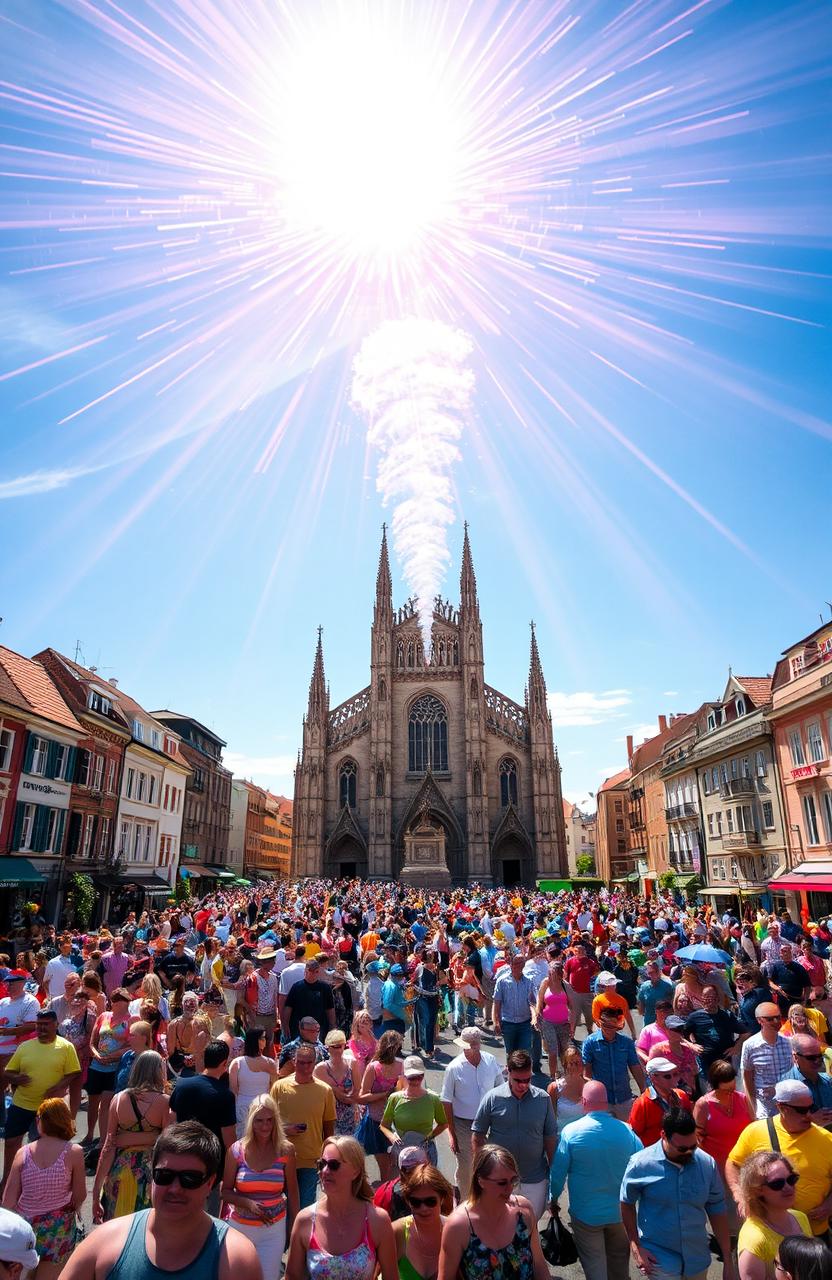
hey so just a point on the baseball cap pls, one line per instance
(18, 975)
(793, 1091)
(660, 1066)
(413, 1066)
(17, 1240)
(410, 1157)
(397, 971)
(675, 1023)
(606, 980)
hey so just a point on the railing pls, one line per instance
(686, 810)
(741, 840)
(349, 718)
(504, 715)
(737, 787)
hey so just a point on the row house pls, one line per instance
(238, 821)
(685, 838)
(276, 843)
(580, 835)
(613, 860)
(207, 813)
(649, 834)
(255, 829)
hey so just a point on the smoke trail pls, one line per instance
(412, 383)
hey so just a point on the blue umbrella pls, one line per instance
(707, 954)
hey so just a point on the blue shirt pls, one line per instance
(672, 1201)
(392, 999)
(610, 1061)
(591, 1157)
(821, 1088)
(648, 995)
(516, 996)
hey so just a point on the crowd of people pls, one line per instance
(250, 1071)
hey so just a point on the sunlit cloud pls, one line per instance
(585, 708)
(273, 772)
(35, 482)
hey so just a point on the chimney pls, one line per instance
(113, 682)
(629, 747)
(662, 724)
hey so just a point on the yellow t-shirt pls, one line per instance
(46, 1064)
(761, 1240)
(311, 1104)
(312, 949)
(809, 1152)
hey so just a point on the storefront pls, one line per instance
(20, 884)
(805, 890)
(118, 895)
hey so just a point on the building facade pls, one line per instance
(255, 829)
(428, 744)
(580, 836)
(206, 818)
(276, 843)
(649, 833)
(612, 841)
(685, 837)
(237, 827)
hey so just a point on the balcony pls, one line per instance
(740, 840)
(737, 787)
(636, 822)
(676, 811)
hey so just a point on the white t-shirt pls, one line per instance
(12, 1012)
(56, 973)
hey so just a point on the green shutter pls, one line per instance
(40, 828)
(59, 836)
(70, 764)
(74, 834)
(17, 834)
(29, 753)
(51, 759)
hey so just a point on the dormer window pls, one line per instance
(138, 731)
(155, 739)
(740, 707)
(97, 702)
(711, 721)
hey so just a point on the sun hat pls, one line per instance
(793, 1091)
(410, 1157)
(606, 980)
(266, 953)
(469, 1036)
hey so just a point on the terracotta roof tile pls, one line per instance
(568, 809)
(609, 784)
(758, 688)
(650, 752)
(39, 693)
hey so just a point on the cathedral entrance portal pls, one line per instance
(511, 871)
(512, 862)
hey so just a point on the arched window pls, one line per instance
(347, 777)
(410, 653)
(427, 736)
(400, 654)
(508, 782)
(380, 781)
(382, 691)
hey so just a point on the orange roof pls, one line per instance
(36, 691)
(568, 809)
(758, 688)
(609, 784)
(650, 752)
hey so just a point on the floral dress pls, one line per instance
(346, 1113)
(513, 1262)
(128, 1184)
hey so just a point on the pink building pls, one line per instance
(801, 718)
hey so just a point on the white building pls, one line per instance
(580, 835)
(237, 830)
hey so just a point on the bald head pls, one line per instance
(594, 1096)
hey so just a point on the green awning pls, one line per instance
(243, 881)
(15, 871)
(553, 886)
(225, 875)
(632, 878)
(682, 882)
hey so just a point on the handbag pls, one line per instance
(557, 1243)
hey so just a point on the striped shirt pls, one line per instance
(515, 996)
(265, 1186)
(770, 1063)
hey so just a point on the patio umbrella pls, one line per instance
(705, 953)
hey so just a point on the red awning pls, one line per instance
(818, 884)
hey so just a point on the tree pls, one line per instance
(81, 894)
(585, 864)
(667, 880)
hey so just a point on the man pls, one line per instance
(771, 944)
(58, 967)
(62, 1005)
(18, 1246)
(579, 970)
(536, 968)
(307, 1109)
(264, 1013)
(611, 1057)
(608, 998)
(808, 1061)
(766, 1058)
(114, 965)
(790, 931)
(717, 1031)
(468, 1078)
(208, 1099)
(519, 1117)
(373, 994)
(661, 1095)
(393, 1003)
(38, 1069)
(808, 1147)
(667, 1192)
(515, 996)
(18, 1013)
(309, 1032)
(176, 1237)
(591, 1158)
(310, 998)
(655, 987)
(789, 981)
(175, 962)
(390, 1195)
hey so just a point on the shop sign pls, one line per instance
(34, 790)
(806, 771)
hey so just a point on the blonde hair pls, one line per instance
(265, 1102)
(753, 1175)
(486, 1159)
(151, 988)
(353, 1154)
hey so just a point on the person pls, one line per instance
(687, 995)
(47, 1186)
(176, 1230)
(77, 1027)
(58, 968)
(418, 1235)
(17, 1245)
(655, 1032)
(655, 987)
(679, 1051)
(381, 1078)
(722, 1113)
(808, 1060)
(515, 995)
(590, 1160)
(814, 966)
(552, 1016)
(266, 986)
(607, 997)
(309, 1032)
(395, 1007)
(579, 971)
(667, 1191)
(806, 1021)
(389, 1196)
(414, 1114)
(250, 1075)
(18, 1013)
(260, 1183)
(362, 1042)
(766, 1058)
(137, 1116)
(427, 1002)
(309, 998)
(38, 1069)
(344, 1234)
(493, 1234)
(186, 1039)
(108, 1044)
(661, 1095)
(307, 1109)
(208, 1099)
(752, 991)
(467, 1079)
(114, 964)
(611, 1057)
(793, 1135)
(717, 1032)
(789, 981)
(140, 1040)
(803, 1258)
(519, 1117)
(567, 1091)
(767, 1186)
(339, 1072)
(176, 963)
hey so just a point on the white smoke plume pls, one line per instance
(413, 385)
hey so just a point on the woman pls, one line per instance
(342, 999)
(752, 989)
(688, 994)
(108, 1044)
(807, 1022)
(553, 1017)
(814, 966)
(260, 1183)
(493, 1235)
(340, 1075)
(251, 1075)
(681, 1052)
(236, 1044)
(426, 986)
(242, 1009)
(343, 1236)
(184, 1036)
(176, 995)
(767, 1183)
(77, 1028)
(210, 977)
(91, 984)
(414, 1116)
(381, 1079)
(801, 1258)
(721, 1114)
(428, 1196)
(566, 1093)
(47, 1186)
(137, 1116)
(150, 992)
(362, 1042)
(139, 1040)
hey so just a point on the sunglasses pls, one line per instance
(811, 1057)
(332, 1165)
(503, 1182)
(427, 1202)
(801, 1111)
(777, 1184)
(188, 1179)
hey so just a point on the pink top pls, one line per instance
(44, 1190)
(724, 1130)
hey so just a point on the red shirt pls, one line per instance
(647, 1115)
(579, 972)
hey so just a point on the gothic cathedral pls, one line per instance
(429, 742)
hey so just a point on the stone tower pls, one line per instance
(310, 776)
(381, 744)
(547, 802)
(473, 701)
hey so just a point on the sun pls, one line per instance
(370, 137)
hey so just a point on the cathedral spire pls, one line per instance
(536, 696)
(384, 583)
(318, 693)
(468, 579)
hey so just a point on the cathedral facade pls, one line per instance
(428, 745)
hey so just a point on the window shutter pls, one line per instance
(17, 834)
(82, 766)
(51, 759)
(94, 836)
(40, 828)
(70, 764)
(74, 839)
(29, 753)
(59, 835)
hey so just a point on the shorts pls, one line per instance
(555, 1035)
(18, 1121)
(100, 1082)
(56, 1235)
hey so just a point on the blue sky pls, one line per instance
(185, 491)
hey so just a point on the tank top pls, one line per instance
(134, 1264)
(381, 1083)
(356, 1264)
(513, 1262)
(555, 1007)
(44, 1190)
(723, 1130)
(265, 1186)
(407, 1271)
